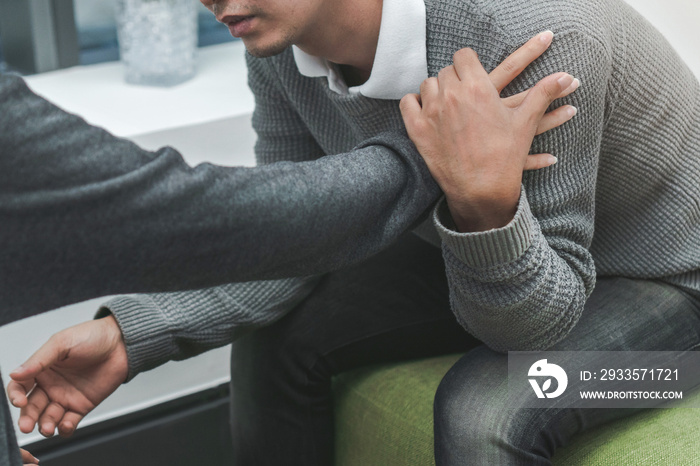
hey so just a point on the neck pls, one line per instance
(346, 33)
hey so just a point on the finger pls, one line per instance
(468, 67)
(17, 392)
(410, 106)
(555, 118)
(447, 76)
(570, 90)
(29, 415)
(429, 94)
(28, 458)
(543, 94)
(512, 66)
(515, 100)
(429, 89)
(69, 423)
(537, 161)
(50, 418)
(50, 352)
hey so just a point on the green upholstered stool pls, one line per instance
(384, 418)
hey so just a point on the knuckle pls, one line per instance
(546, 93)
(432, 112)
(404, 104)
(452, 97)
(476, 91)
(425, 85)
(442, 74)
(509, 66)
(34, 405)
(466, 53)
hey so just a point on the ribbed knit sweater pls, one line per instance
(85, 214)
(623, 199)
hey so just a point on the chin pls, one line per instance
(266, 50)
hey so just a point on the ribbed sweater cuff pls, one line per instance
(487, 248)
(146, 330)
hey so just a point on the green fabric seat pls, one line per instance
(384, 418)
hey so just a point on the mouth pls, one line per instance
(238, 25)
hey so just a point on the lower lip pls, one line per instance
(241, 28)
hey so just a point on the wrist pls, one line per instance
(472, 216)
(116, 340)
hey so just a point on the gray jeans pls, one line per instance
(475, 422)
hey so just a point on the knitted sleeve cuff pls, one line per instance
(487, 248)
(146, 330)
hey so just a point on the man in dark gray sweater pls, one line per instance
(526, 282)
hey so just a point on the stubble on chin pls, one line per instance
(270, 50)
(265, 52)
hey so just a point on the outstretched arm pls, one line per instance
(86, 214)
(167, 326)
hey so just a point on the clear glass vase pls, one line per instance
(157, 40)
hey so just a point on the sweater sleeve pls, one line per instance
(161, 327)
(524, 286)
(174, 326)
(86, 214)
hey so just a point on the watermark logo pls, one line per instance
(543, 370)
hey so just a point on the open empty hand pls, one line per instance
(73, 372)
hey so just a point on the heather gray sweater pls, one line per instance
(624, 198)
(84, 214)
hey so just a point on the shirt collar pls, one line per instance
(400, 63)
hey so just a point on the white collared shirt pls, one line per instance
(400, 63)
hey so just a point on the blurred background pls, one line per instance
(95, 26)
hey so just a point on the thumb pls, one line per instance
(540, 97)
(55, 349)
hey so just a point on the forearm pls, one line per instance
(86, 214)
(509, 287)
(172, 326)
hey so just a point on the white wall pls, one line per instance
(679, 21)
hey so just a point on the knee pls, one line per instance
(475, 419)
(466, 420)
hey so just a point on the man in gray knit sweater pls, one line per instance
(628, 169)
(84, 214)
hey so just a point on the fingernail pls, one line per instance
(574, 85)
(566, 81)
(552, 160)
(571, 111)
(546, 37)
(19, 369)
